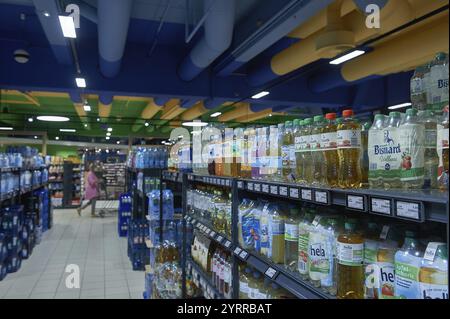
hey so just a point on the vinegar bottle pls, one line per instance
(329, 146)
(349, 148)
(318, 161)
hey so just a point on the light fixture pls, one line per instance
(98, 119)
(6, 128)
(68, 130)
(81, 82)
(108, 138)
(67, 26)
(85, 125)
(146, 124)
(399, 106)
(216, 114)
(348, 56)
(51, 118)
(118, 142)
(108, 134)
(46, 14)
(57, 138)
(30, 119)
(195, 124)
(260, 95)
(270, 115)
(110, 129)
(35, 137)
(87, 107)
(107, 151)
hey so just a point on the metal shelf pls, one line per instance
(203, 276)
(172, 176)
(21, 192)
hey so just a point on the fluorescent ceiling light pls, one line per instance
(70, 130)
(260, 95)
(87, 107)
(6, 128)
(30, 119)
(67, 26)
(399, 106)
(98, 119)
(81, 82)
(51, 118)
(107, 138)
(35, 137)
(195, 124)
(146, 124)
(85, 125)
(108, 134)
(347, 57)
(57, 138)
(216, 114)
(110, 129)
(118, 142)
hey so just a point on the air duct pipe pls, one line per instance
(147, 113)
(105, 105)
(218, 34)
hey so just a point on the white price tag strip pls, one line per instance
(283, 191)
(306, 194)
(321, 197)
(250, 186)
(408, 210)
(274, 189)
(270, 272)
(265, 188)
(237, 251)
(381, 206)
(293, 192)
(219, 238)
(212, 234)
(227, 244)
(355, 202)
(243, 255)
(430, 252)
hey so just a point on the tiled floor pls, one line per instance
(90, 243)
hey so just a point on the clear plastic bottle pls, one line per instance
(253, 149)
(391, 145)
(371, 243)
(377, 165)
(349, 149)
(318, 160)
(329, 147)
(286, 150)
(255, 285)
(412, 138)
(307, 157)
(439, 81)
(418, 89)
(431, 158)
(433, 274)
(264, 230)
(304, 228)
(263, 153)
(291, 240)
(276, 236)
(365, 126)
(278, 158)
(296, 168)
(244, 282)
(442, 139)
(385, 263)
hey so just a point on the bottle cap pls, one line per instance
(308, 121)
(395, 114)
(288, 123)
(347, 113)
(330, 116)
(296, 122)
(379, 117)
(411, 112)
(318, 118)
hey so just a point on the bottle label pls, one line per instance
(328, 140)
(433, 291)
(411, 140)
(350, 254)
(293, 160)
(430, 138)
(303, 245)
(319, 256)
(416, 86)
(439, 84)
(314, 142)
(387, 279)
(385, 153)
(291, 232)
(264, 237)
(305, 142)
(285, 155)
(243, 287)
(298, 143)
(276, 227)
(348, 138)
(370, 251)
(407, 280)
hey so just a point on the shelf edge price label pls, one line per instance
(240, 185)
(410, 210)
(219, 239)
(265, 188)
(306, 194)
(257, 187)
(212, 233)
(270, 272)
(227, 244)
(274, 189)
(380, 206)
(237, 251)
(243, 255)
(283, 190)
(293, 192)
(250, 186)
(321, 197)
(356, 202)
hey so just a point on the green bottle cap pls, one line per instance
(308, 121)
(318, 118)
(296, 122)
(395, 114)
(288, 123)
(379, 117)
(411, 112)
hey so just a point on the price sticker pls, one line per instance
(430, 252)
(306, 194)
(240, 185)
(257, 188)
(274, 189)
(380, 206)
(212, 233)
(321, 197)
(250, 186)
(265, 188)
(227, 244)
(219, 238)
(355, 202)
(237, 251)
(293, 192)
(243, 255)
(283, 190)
(408, 210)
(270, 272)
(223, 182)
(228, 183)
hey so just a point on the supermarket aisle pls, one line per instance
(91, 243)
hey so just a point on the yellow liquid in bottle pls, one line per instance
(331, 154)
(288, 141)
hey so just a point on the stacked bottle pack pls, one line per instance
(124, 214)
(151, 157)
(137, 250)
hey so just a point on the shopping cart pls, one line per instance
(107, 207)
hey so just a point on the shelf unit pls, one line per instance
(414, 206)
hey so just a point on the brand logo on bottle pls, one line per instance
(317, 250)
(389, 145)
(443, 83)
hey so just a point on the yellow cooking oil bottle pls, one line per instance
(286, 149)
(318, 160)
(349, 149)
(433, 273)
(329, 147)
(350, 255)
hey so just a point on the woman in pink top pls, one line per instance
(90, 192)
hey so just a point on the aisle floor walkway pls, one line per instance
(90, 243)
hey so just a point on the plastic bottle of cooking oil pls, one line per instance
(365, 127)
(433, 274)
(442, 138)
(286, 146)
(291, 239)
(276, 236)
(412, 139)
(392, 152)
(349, 148)
(350, 254)
(304, 228)
(431, 158)
(296, 169)
(329, 147)
(318, 159)
(307, 157)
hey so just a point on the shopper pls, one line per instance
(91, 191)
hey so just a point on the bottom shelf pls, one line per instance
(202, 280)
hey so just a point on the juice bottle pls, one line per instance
(433, 274)
(431, 158)
(407, 265)
(371, 243)
(318, 159)
(349, 148)
(385, 264)
(243, 282)
(273, 152)
(350, 249)
(364, 153)
(307, 157)
(377, 163)
(278, 158)
(391, 150)
(412, 139)
(329, 147)
(218, 157)
(298, 172)
(291, 240)
(227, 152)
(286, 146)
(442, 138)
(316, 250)
(246, 224)
(304, 228)
(276, 236)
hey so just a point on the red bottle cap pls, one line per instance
(330, 116)
(347, 113)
